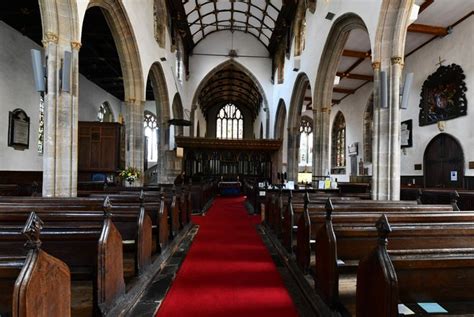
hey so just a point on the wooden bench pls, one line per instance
(133, 223)
(387, 278)
(26, 290)
(92, 251)
(305, 234)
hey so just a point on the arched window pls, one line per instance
(368, 130)
(229, 123)
(306, 143)
(339, 144)
(150, 125)
(105, 113)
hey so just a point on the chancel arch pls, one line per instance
(178, 113)
(230, 83)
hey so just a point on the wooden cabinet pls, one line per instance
(99, 147)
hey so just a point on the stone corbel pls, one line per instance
(50, 38)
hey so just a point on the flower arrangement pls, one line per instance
(130, 174)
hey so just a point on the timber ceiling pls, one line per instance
(230, 85)
(267, 20)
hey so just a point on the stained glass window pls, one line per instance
(306, 143)
(339, 141)
(229, 123)
(150, 124)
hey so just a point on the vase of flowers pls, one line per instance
(130, 175)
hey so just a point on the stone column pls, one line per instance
(375, 136)
(134, 135)
(61, 116)
(293, 146)
(321, 143)
(163, 146)
(397, 66)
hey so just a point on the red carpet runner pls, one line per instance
(228, 271)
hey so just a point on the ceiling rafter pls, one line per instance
(428, 29)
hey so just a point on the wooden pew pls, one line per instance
(305, 234)
(36, 283)
(346, 242)
(387, 278)
(134, 226)
(100, 259)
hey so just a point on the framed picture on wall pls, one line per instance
(406, 134)
(18, 129)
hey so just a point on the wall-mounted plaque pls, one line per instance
(443, 96)
(406, 133)
(18, 129)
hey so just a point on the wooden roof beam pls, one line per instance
(355, 76)
(428, 29)
(357, 54)
(425, 5)
(343, 90)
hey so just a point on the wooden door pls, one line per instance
(444, 155)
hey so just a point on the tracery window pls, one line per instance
(41, 126)
(150, 125)
(229, 123)
(105, 113)
(339, 142)
(306, 143)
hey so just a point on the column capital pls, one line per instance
(325, 109)
(397, 60)
(50, 37)
(376, 66)
(76, 45)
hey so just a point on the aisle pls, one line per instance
(228, 271)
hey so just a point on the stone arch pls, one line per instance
(294, 118)
(202, 84)
(322, 100)
(279, 133)
(160, 93)
(127, 48)
(178, 113)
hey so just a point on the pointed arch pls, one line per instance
(210, 74)
(322, 100)
(279, 133)
(294, 120)
(127, 48)
(178, 113)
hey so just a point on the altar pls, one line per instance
(229, 188)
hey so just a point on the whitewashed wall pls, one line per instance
(17, 89)
(91, 97)
(457, 48)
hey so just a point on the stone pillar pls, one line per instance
(163, 146)
(293, 146)
(386, 139)
(375, 136)
(321, 143)
(396, 73)
(61, 117)
(134, 135)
